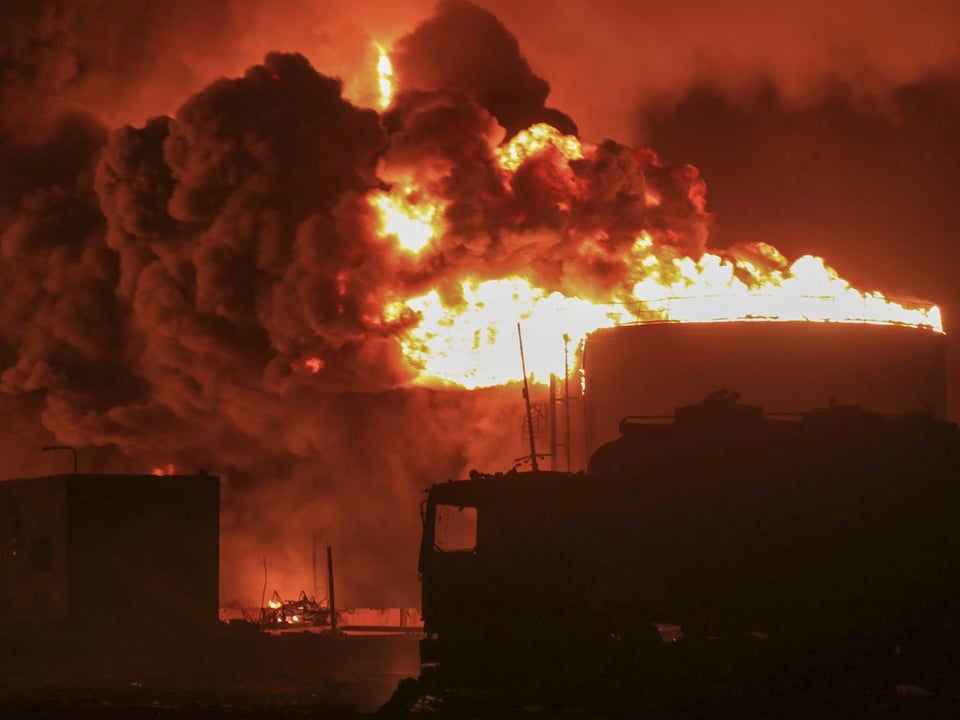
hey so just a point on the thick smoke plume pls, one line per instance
(166, 284)
(207, 287)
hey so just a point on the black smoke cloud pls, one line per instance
(466, 47)
(165, 283)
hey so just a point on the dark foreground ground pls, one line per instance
(243, 675)
(225, 674)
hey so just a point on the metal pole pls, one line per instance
(526, 397)
(314, 566)
(330, 592)
(552, 419)
(566, 398)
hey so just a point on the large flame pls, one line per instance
(385, 86)
(474, 344)
(408, 215)
(471, 342)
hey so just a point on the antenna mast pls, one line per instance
(526, 398)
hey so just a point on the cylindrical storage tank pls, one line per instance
(650, 369)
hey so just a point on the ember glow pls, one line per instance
(311, 365)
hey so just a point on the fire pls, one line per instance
(409, 215)
(470, 340)
(534, 140)
(475, 344)
(311, 365)
(384, 78)
(715, 288)
(168, 469)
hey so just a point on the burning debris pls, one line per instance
(302, 612)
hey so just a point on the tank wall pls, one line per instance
(783, 367)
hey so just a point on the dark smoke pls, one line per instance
(466, 47)
(165, 282)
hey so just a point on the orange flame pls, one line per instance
(168, 469)
(471, 342)
(408, 215)
(534, 140)
(384, 78)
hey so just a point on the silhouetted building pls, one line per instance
(123, 553)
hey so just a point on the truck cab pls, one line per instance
(812, 531)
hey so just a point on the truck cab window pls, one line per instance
(456, 529)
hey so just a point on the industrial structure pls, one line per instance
(819, 528)
(828, 535)
(649, 368)
(110, 554)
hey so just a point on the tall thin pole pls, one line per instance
(526, 397)
(552, 421)
(330, 592)
(314, 566)
(263, 594)
(566, 398)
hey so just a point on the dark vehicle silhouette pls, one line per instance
(819, 539)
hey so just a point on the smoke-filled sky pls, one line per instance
(181, 218)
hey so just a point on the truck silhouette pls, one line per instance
(719, 535)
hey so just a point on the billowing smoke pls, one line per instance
(466, 47)
(163, 285)
(207, 288)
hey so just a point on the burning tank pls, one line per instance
(827, 536)
(644, 369)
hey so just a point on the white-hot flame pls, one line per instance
(472, 341)
(409, 216)
(384, 78)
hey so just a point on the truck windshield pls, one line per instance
(455, 529)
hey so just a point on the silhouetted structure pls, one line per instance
(648, 369)
(111, 554)
(831, 533)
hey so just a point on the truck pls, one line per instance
(705, 547)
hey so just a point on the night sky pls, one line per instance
(172, 225)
